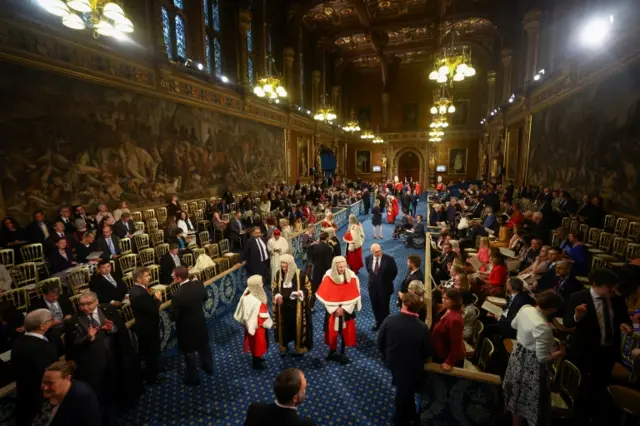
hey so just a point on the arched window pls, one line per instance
(212, 36)
(174, 29)
(250, 54)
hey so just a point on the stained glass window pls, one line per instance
(206, 12)
(250, 40)
(250, 71)
(217, 54)
(179, 4)
(207, 53)
(216, 16)
(181, 37)
(166, 32)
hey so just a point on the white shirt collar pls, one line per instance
(185, 281)
(286, 406)
(141, 285)
(39, 336)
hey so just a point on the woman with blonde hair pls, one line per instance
(416, 287)
(376, 218)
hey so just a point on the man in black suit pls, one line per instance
(320, 256)
(79, 213)
(76, 402)
(598, 316)
(440, 265)
(109, 288)
(65, 218)
(146, 310)
(501, 327)
(417, 232)
(57, 233)
(124, 227)
(39, 230)
(415, 274)
(382, 270)
(257, 256)
(109, 244)
(61, 310)
(168, 262)
(236, 231)
(405, 344)
(191, 325)
(31, 354)
(290, 389)
(567, 283)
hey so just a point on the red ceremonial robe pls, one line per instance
(333, 295)
(258, 344)
(392, 211)
(354, 258)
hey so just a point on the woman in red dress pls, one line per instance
(496, 280)
(392, 209)
(447, 333)
(354, 239)
(253, 313)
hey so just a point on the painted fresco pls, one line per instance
(68, 142)
(590, 143)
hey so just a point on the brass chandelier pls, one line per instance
(269, 86)
(439, 122)
(367, 134)
(442, 106)
(325, 112)
(378, 139)
(106, 18)
(352, 125)
(436, 135)
(452, 65)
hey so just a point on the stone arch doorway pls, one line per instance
(409, 165)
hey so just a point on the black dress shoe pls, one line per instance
(156, 380)
(344, 359)
(208, 372)
(191, 382)
(333, 356)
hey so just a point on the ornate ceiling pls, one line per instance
(342, 13)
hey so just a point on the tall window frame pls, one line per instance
(174, 26)
(250, 56)
(212, 36)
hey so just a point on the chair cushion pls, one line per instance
(469, 349)
(557, 402)
(468, 365)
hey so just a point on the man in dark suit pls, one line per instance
(236, 231)
(76, 402)
(598, 316)
(320, 255)
(109, 244)
(415, 274)
(79, 213)
(124, 227)
(168, 262)
(109, 288)
(567, 283)
(39, 230)
(405, 344)
(257, 256)
(58, 233)
(191, 325)
(146, 310)
(417, 232)
(290, 389)
(440, 265)
(65, 218)
(61, 310)
(31, 354)
(382, 270)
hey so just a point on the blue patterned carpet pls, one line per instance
(359, 393)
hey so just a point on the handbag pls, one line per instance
(463, 224)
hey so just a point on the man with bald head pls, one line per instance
(382, 271)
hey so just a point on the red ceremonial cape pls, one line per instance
(331, 294)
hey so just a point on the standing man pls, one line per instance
(191, 325)
(339, 292)
(168, 262)
(277, 246)
(146, 310)
(382, 271)
(236, 231)
(252, 312)
(61, 310)
(31, 354)
(292, 307)
(415, 274)
(321, 255)
(109, 288)
(599, 316)
(256, 255)
(290, 389)
(405, 344)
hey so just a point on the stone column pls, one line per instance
(289, 80)
(245, 25)
(336, 101)
(385, 110)
(316, 101)
(491, 83)
(532, 28)
(507, 55)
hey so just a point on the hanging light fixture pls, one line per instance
(367, 134)
(452, 65)
(378, 139)
(439, 122)
(352, 125)
(325, 112)
(443, 104)
(104, 17)
(436, 135)
(270, 86)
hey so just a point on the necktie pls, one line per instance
(376, 268)
(112, 249)
(263, 254)
(45, 231)
(608, 332)
(111, 280)
(239, 225)
(92, 321)
(60, 234)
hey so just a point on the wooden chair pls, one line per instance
(605, 243)
(208, 273)
(621, 226)
(75, 302)
(19, 297)
(609, 222)
(138, 226)
(128, 280)
(152, 224)
(149, 214)
(126, 312)
(225, 252)
(156, 237)
(203, 238)
(141, 241)
(618, 250)
(222, 263)
(155, 274)
(78, 279)
(584, 230)
(633, 252)
(34, 253)
(598, 262)
(565, 222)
(161, 250)
(633, 232)
(128, 263)
(594, 237)
(40, 285)
(24, 274)
(7, 258)
(161, 214)
(202, 205)
(628, 400)
(147, 256)
(125, 246)
(187, 260)
(562, 402)
(486, 352)
(198, 215)
(193, 206)
(197, 252)
(574, 226)
(136, 216)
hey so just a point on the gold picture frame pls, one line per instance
(363, 161)
(458, 161)
(302, 158)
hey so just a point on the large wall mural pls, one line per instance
(590, 143)
(70, 142)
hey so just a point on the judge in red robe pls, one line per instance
(339, 292)
(354, 239)
(392, 209)
(328, 222)
(252, 312)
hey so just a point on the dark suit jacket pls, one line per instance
(146, 310)
(405, 344)
(187, 312)
(121, 228)
(321, 255)
(566, 289)
(82, 251)
(586, 336)
(167, 265)
(79, 407)
(59, 263)
(252, 256)
(69, 226)
(515, 303)
(106, 291)
(35, 234)
(260, 414)
(411, 276)
(30, 356)
(383, 280)
(63, 301)
(234, 229)
(104, 247)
